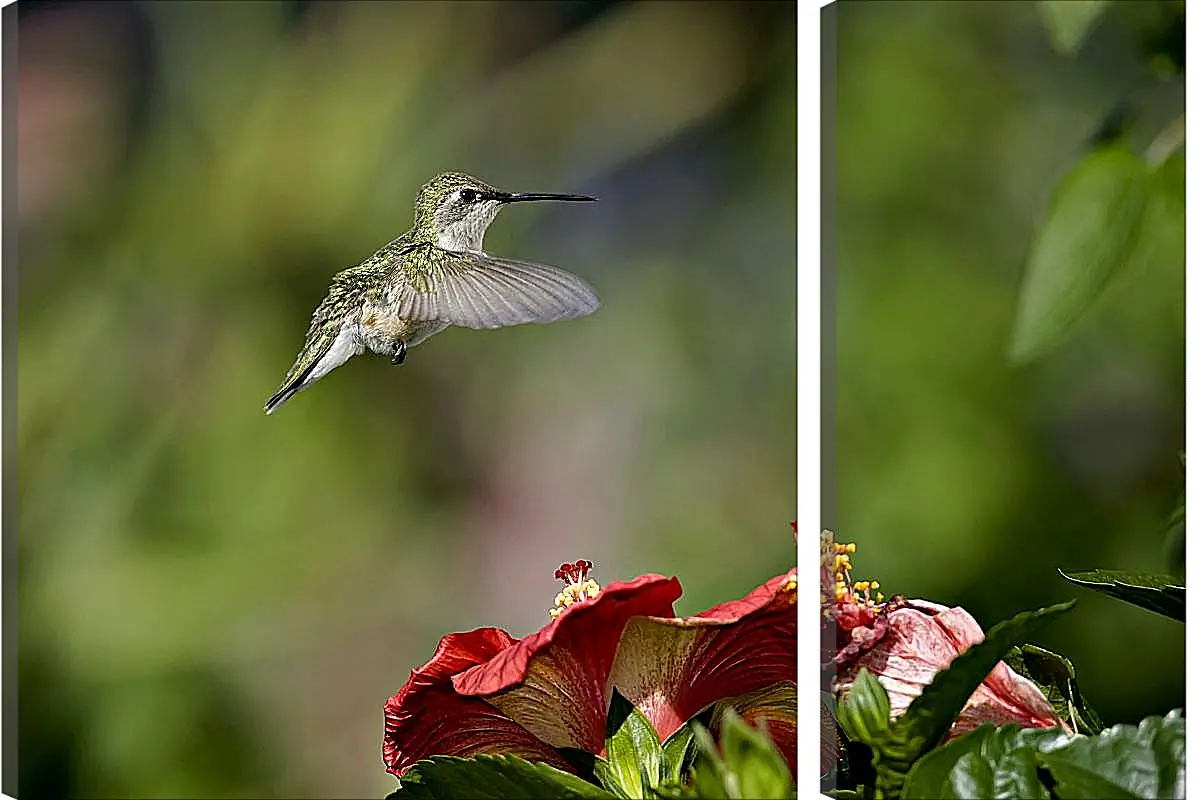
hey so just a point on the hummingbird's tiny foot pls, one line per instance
(400, 352)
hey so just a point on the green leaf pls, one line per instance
(752, 756)
(678, 752)
(1055, 676)
(1162, 594)
(674, 791)
(863, 713)
(1087, 240)
(1125, 761)
(609, 778)
(710, 773)
(749, 765)
(492, 777)
(635, 761)
(1160, 245)
(985, 763)
(1068, 21)
(1144, 761)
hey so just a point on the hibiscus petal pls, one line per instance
(914, 648)
(922, 639)
(775, 707)
(1006, 697)
(555, 682)
(443, 723)
(459, 651)
(427, 717)
(673, 668)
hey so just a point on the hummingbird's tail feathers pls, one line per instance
(477, 290)
(300, 377)
(282, 395)
(326, 349)
(295, 383)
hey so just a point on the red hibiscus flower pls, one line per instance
(487, 692)
(905, 643)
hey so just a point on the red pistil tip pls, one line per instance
(576, 572)
(578, 586)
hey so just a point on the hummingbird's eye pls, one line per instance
(468, 195)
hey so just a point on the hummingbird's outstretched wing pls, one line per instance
(477, 290)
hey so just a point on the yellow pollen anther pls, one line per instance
(846, 590)
(575, 593)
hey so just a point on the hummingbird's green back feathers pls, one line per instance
(473, 289)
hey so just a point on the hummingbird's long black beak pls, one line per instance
(523, 197)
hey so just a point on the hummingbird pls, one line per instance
(433, 276)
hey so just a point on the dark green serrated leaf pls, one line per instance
(633, 752)
(1087, 241)
(931, 714)
(754, 759)
(845, 794)
(1015, 778)
(1055, 676)
(863, 713)
(1125, 761)
(492, 777)
(1069, 21)
(929, 776)
(678, 753)
(1162, 594)
(985, 763)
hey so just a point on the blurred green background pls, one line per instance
(962, 479)
(217, 603)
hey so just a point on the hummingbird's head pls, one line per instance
(455, 209)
